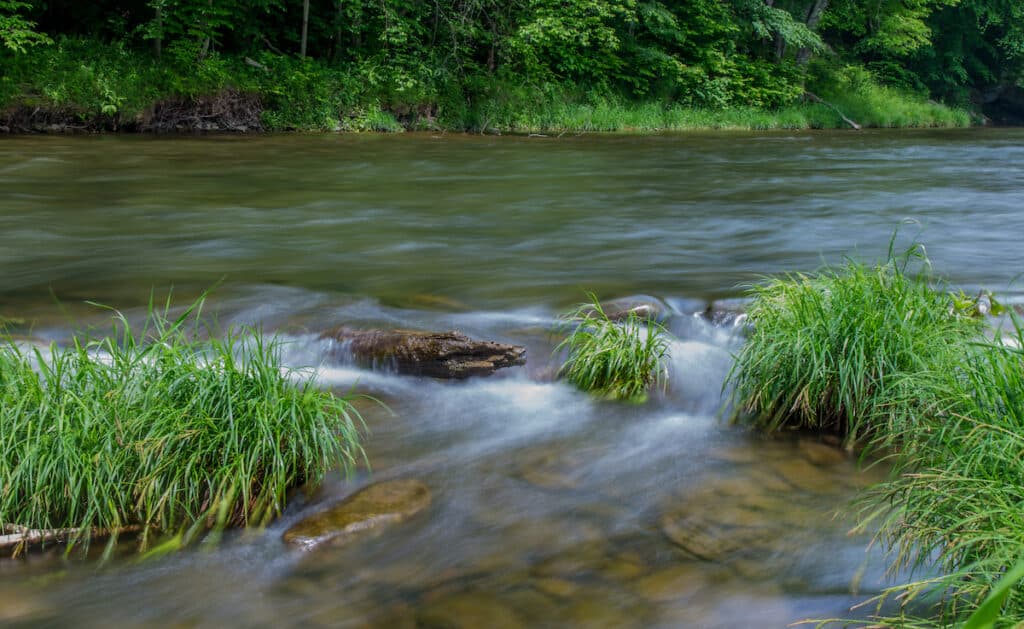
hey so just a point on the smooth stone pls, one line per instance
(821, 454)
(369, 509)
(671, 584)
(586, 558)
(554, 586)
(714, 540)
(624, 567)
(599, 611)
(805, 476)
(642, 306)
(469, 610)
(548, 479)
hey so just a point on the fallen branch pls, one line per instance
(249, 61)
(19, 536)
(814, 97)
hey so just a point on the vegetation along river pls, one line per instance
(549, 507)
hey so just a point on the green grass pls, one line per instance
(889, 359)
(957, 504)
(845, 350)
(855, 92)
(619, 360)
(157, 428)
(94, 85)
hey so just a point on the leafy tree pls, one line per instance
(16, 32)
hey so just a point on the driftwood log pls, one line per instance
(16, 537)
(449, 355)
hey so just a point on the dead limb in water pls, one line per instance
(818, 99)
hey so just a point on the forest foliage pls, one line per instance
(413, 58)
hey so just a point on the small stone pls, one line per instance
(806, 477)
(469, 610)
(670, 584)
(624, 567)
(369, 509)
(553, 586)
(820, 453)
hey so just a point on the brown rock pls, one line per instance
(470, 610)
(820, 453)
(434, 354)
(369, 509)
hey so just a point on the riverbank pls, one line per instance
(84, 87)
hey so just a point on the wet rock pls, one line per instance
(727, 313)
(672, 584)
(369, 509)
(469, 610)
(583, 559)
(706, 537)
(820, 453)
(806, 477)
(599, 609)
(434, 354)
(623, 567)
(554, 586)
(643, 306)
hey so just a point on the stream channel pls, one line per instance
(550, 507)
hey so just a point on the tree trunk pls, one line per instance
(339, 19)
(813, 18)
(305, 27)
(158, 41)
(205, 49)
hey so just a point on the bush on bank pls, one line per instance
(889, 360)
(87, 85)
(157, 429)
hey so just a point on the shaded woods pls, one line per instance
(521, 65)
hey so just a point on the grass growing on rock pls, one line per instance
(846, 350)
(619, 360)
(158, 429)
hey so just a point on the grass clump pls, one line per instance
(956, 504)
(884, 358)
(847, 350)
(157, 429)
(619, 360)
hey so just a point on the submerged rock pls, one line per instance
(369, 509)
(470, 610)
(643, 306)
(434, 354)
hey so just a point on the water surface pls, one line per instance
(550, 508)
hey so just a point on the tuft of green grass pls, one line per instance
(849, 350)
(888, 359)
(157, 428)
(956, 504)
(620, 360)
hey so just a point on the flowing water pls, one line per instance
(550, 508)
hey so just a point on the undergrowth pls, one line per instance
(157, 428)
(845, 350)
(619, 360)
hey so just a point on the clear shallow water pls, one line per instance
(550, 508)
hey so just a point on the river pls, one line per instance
(550, 508)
